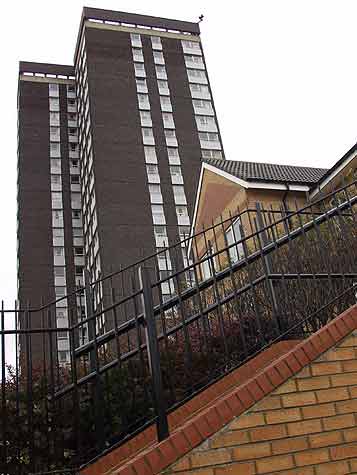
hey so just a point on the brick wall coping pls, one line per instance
(222, 410)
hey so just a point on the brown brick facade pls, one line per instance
(307, 426)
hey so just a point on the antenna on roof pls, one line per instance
(200, 18)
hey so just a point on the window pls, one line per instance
(79, 251)
(160, 71)
(234, 234)
(200, 91)
(74, 179)
(209, 136)
(197, 76)
(61, 313)
(148, 136)
(179, 195)
(58, 236)
(55, 165)
(76, 214)
(141, 85)
(160, 231)
(55, 149)
(192, 61)
(53, 90)
(77, 232)
(173, 154)
(158, 57)
(209, 140)
(202, 107)
(58, 251)
(156, 42)
(74, 163)
(71, 105)
(155, 193)
(62, 335)
(184, 232)
(56, 183)
(163, 87)
(135, 40)
(79, 270)
(165, 103)
(206, 123)
(138, 55)
(54, 118)
(56, 197)
(176, 175)
(153, 173)
(191, 47)
(150, 154)
(145, 119)
(211, 154)
(170, 136)
(140, 70)
(158, 214)
(54, 134)
(182, 216)
(168, 120)
(57, 219)
(143, 100)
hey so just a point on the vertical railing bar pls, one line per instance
(234, 284)
(154, 354)
(164, 332)
(75, 392)
(3, 386)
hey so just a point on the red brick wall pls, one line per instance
(305, 427)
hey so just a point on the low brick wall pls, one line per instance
(307, 426)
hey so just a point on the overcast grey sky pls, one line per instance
(283, 75)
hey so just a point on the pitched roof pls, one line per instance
(267, 172)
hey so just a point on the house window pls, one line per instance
(234, 234)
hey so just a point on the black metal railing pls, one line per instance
(158, 332)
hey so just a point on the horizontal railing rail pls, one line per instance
(169, 326)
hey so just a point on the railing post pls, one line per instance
(89, 306)
(268, 266)
(153, 353)
(97, 392)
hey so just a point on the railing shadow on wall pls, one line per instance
(158, 332)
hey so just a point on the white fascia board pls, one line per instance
(198, 194)
(333, 174)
